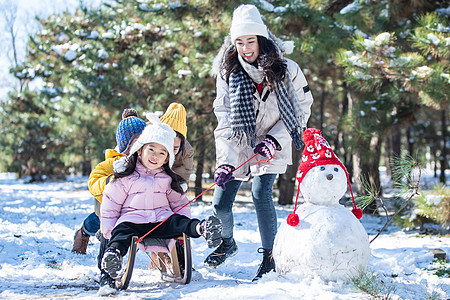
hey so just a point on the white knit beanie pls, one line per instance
(247, 21)
(156, 132)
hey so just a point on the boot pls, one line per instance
(112, 262)
(267, 265)
(228, 248)
(81, 240)
(106, 280)
(211, 230)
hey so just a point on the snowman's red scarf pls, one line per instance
(293, 218)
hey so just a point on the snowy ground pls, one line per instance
(37, 223)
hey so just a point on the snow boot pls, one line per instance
(211, 230)
(107, 285)
(228, 248)
(267, 265)
(112, 262)
(81, 241)
(106, 280)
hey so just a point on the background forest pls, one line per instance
(378, 70)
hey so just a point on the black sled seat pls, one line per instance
(172, 257)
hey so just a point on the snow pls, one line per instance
(446, 76)
(423, 71)
(382, 38)
(362, 76)
(102, 54)
(433, 39)
(70, 55)
(266, 5)
(351, 8)
(38, 221)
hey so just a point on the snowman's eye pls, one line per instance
(322, 168)
(336, 169)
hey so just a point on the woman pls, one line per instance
(263, 102)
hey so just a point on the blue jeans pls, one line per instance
(262, 187)
(91, 224)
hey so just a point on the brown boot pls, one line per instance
(80, 242)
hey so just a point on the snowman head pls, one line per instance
(318, 156)
(324, 185)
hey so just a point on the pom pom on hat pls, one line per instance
(128, 128)
(247, 21)
(357, 212)
(129, 112)
(175, 117)
(156, 132)
(293, 219)
(318, 152)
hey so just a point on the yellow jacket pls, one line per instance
(101, 175)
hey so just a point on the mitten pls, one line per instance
(119, 165)
(223, 174)
(184, 187)
(266, 148)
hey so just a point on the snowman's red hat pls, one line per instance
(317, 152)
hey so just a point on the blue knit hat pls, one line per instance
(128, 128)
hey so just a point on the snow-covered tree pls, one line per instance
(96, 62)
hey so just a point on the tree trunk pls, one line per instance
(396, 145)
(396, 142)
(340, 147)
(322, 108)
(86, 167)
(199, 171)
(286, 181)
(443, 157)
(388, 151)
(366, 157)
(366, 161)
(410, 142)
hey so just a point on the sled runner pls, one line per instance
(173, 259)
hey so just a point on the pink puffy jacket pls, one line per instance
(145, 196)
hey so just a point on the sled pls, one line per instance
(173, 258)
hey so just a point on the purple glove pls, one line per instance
(266, 148)
(223, 174)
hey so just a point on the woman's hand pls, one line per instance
(266, 148)
(223, 174)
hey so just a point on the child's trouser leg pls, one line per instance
(173, 227)
(101, 251)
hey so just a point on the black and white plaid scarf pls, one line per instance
(243, 117)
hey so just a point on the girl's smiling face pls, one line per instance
(153, 155)
(247, 46)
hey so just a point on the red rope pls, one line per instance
(296, 198)
(142, 237)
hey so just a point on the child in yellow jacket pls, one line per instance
(128, 129)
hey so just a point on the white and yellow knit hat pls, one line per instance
(175, 117)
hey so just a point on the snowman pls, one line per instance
(324, 239)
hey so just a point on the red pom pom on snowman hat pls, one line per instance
(318, 152)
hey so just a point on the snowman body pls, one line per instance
(329, 240)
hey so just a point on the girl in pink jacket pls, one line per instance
(146, 192)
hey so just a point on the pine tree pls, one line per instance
(97, 62)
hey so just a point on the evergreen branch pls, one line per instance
(370, 283)
(402, 171)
